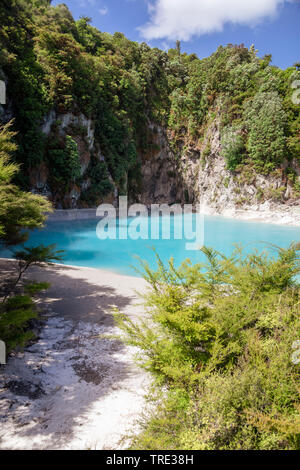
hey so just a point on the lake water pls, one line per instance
(82, 247)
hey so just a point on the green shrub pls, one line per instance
(17, 314)
(220, 334)
(15, 317)
(64, 161)
(266, 121)
(233, 147)
(34, 288)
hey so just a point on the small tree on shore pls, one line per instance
(20, 212)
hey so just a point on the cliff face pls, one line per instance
(69, 197)
(161, 180)
(189, 175)
(97, 116)
(161, 176)
(208, 182)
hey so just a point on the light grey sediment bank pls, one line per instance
(76, 214)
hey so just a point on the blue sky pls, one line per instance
(201, 25)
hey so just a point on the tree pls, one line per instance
(19, 210)
(36, 256)
(266, 122)
(233, 147)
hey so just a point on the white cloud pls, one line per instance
(182, 19)
(103, 11)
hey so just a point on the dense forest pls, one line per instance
(128, 91)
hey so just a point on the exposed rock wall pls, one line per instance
(189, 175)
(205, 180)
(68, 124)
(161, 175)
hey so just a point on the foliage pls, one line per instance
(233, 147)
(35, 256)
(266, 122)
(33, 288)
(53, 62)
(63, 158)
(19, 210)
(100, 184)
(219, 337)
(7, 147)
(15, 317)
(18, 311)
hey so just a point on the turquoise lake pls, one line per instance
(83, 248)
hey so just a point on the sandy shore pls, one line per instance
(76, 387)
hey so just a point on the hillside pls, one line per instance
(98, 115)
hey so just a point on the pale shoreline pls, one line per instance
(122, 284)
(289, 217)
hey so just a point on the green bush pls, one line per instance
(17, 314)
(15, 317)
(266, 121)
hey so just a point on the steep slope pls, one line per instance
(98, 115)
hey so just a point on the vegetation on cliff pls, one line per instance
(52, 62)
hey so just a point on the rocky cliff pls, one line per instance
(82, 130)
(97, 116)
(188, 175)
